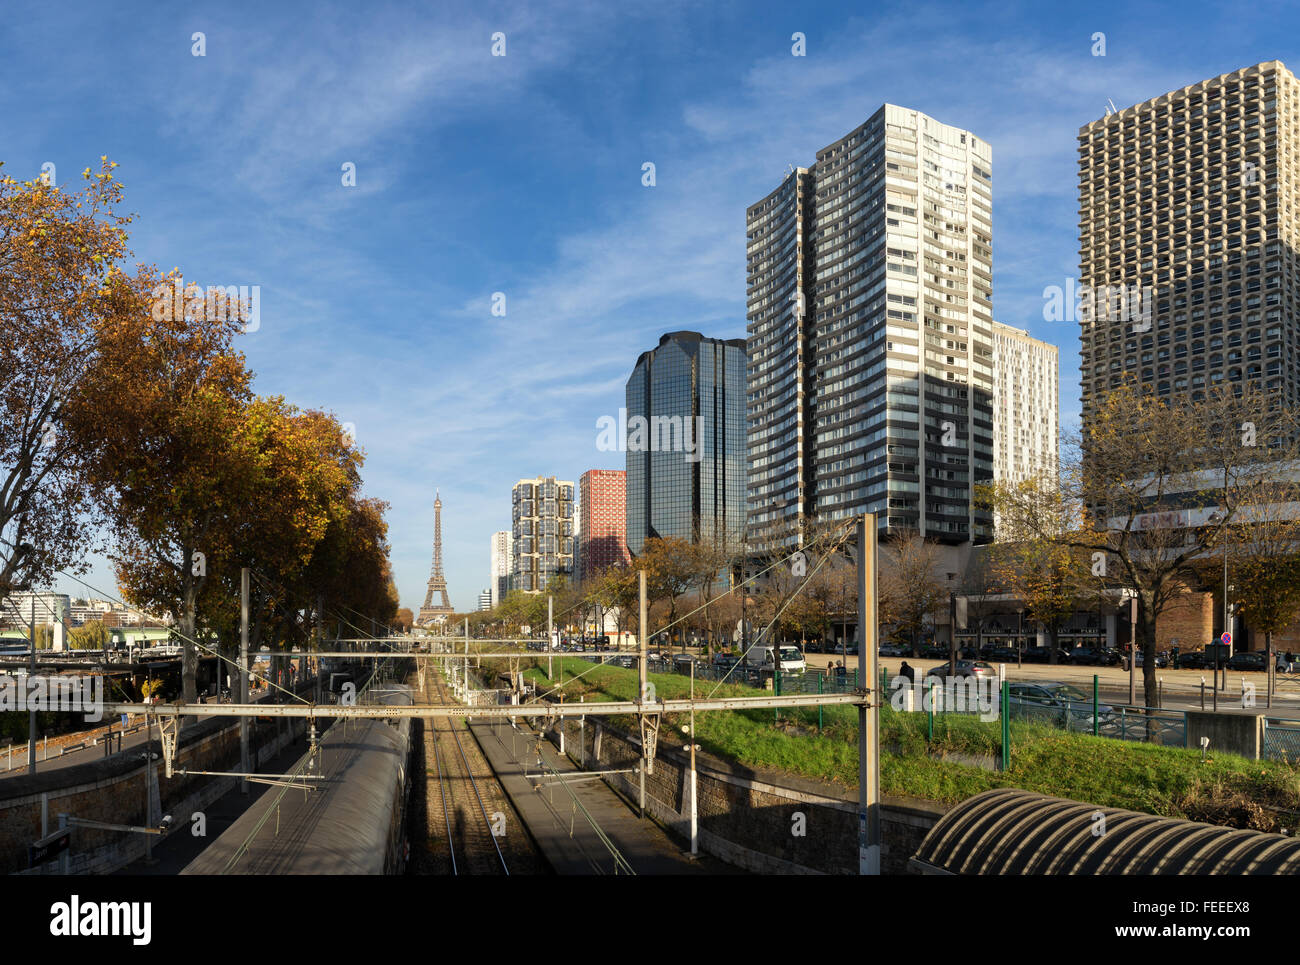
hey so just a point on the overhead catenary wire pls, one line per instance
(777, 615)
(201, 646)
(847, 531)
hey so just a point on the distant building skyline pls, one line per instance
(502, 563)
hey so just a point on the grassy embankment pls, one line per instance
(1160, 780)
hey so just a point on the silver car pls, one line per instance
(1060, 703)
(964, 668)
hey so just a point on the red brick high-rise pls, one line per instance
(602, 535)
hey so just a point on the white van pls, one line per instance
(791, 659)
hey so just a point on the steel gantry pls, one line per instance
(646, 708)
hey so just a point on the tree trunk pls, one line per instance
(189, 652)
(1050, 633)
(1147, 637)
(1269, 667)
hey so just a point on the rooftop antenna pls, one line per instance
(1113, 108)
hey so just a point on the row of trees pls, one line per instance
(694, 592)
(1151, 500)
(128, 425)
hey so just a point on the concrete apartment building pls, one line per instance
(602, 521)
(542, 544)
(1186, 208)
(1026, 406)
(501, 564)
(1190, 197)
(870, 326)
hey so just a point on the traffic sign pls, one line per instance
(48, 847)
(1226, 638)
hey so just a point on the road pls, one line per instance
(1181, 688)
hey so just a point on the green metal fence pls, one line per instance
(1281, 739)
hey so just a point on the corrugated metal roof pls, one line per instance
(1010, 831)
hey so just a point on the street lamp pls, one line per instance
(1020, 637)
(1214, 517)
(23, 551)
(952, 624)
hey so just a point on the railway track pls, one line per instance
(467, 805)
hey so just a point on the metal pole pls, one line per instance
(243, 676)
(148, 785)
(1096, 724)
(1132, 651)
(1006, 726)
(1227, 609)
(1269, 674)
(868, 717)
(695, 808)
(550, 618)
(31, 714)
(641, 674)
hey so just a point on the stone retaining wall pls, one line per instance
(765, 822)
(113, 790)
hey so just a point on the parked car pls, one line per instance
(1161, 660)
(1088, 657)
(725, 659)
(895, 650)
(1247, 660)
(682, 663)
(1063, 703)
(792, 660)
(1040, 655)
(934, 651)
(964, 668)
(1003, 654)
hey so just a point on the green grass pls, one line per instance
(1097, 770)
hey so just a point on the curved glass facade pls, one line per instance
(686, 442)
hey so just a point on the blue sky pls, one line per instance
(522, 174)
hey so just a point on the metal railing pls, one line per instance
(1281, 740)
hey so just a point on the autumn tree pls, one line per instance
(617, 588)
(405, 619)
(58, 282)
(711, 562)
(303, 471)
(1154, 487)
(171, 466)
(91, 635)
(980, 587)
(670, 571)
(1265, 548)
(911, 592)
(1035, 558)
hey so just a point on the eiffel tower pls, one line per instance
(431, 613)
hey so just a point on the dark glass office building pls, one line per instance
(686, 441)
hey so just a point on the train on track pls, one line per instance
(353, 821)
